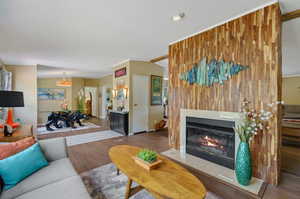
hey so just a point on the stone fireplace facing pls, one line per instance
(208, 143)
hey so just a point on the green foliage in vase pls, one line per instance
(81, 104)
(147, 155)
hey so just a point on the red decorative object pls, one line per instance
(10, 120)
(120, 72)
(10, 99)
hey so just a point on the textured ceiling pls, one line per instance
(90, 37)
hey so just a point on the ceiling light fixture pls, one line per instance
(64, 82)
(178, 17)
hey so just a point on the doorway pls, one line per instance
(91, 101)
(140, 103)
(105, 101)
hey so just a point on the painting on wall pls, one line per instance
(156, 90)
(51, 93)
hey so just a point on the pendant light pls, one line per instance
(64, 82)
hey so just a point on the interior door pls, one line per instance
(140, 95)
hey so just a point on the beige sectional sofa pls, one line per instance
(58, 180)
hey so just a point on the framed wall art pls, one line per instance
(51, 94)
(156, 90)
(120, 72)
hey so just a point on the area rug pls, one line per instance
(91, 137)
(87, 125)
(104, 183)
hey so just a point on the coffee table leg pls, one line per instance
(128, 188)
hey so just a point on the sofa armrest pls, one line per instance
(54, 149)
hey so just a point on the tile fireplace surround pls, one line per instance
(215, 170)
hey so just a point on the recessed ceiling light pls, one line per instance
(178, 17)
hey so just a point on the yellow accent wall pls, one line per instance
(106, 80)
(291, 90)
(45, 107)
(77, 84)
(91, 82)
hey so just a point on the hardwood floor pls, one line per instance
(94, 154)
(291, 160)
(288, 188)
(91, 155)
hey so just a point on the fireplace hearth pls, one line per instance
(211, 139)
(208, 144)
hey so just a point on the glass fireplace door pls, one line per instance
(213, 140)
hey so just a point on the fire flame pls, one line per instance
(208, 141)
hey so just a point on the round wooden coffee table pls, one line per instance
(169, 180)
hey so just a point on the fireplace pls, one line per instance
(211, 139)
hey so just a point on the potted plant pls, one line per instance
(147, 159)
(254, 122)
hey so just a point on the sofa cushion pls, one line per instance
(69, 188)
(21, 165)
(13, 148)
(55, 171)
(54, 149)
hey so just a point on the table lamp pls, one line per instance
(10, 99)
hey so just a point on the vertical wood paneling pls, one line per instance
(253, 40)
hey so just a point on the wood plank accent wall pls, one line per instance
(252, 40)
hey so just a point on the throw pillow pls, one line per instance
(21, 165)
(10, 149)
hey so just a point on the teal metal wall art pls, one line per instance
(206, 74)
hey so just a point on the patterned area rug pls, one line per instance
(104, 183)
(87, 125)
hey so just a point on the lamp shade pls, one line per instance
(11, 99)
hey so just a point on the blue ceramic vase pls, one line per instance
(243, 165)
